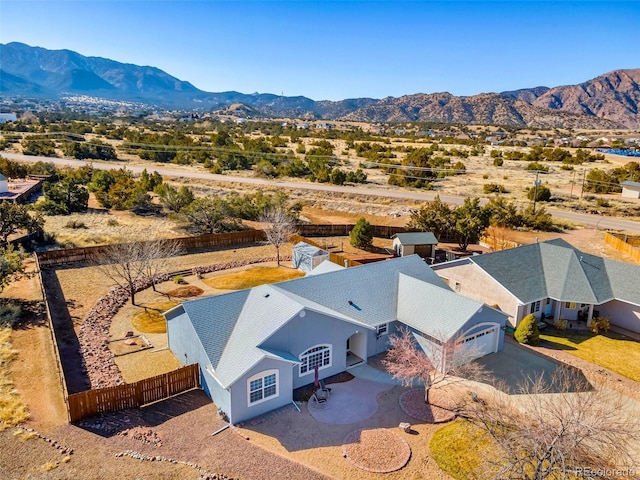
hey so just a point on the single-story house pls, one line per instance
(630, 189)
(307, 257)
(551, 279)
(420, 243)
(255, 346)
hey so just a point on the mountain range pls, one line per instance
(608, 101)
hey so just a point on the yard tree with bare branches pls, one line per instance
(128, 264)
(558, 428)
(278, 227)
(156, 253)
(124, 264)
(407, 362)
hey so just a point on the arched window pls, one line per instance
(262, 386)
(319, 355)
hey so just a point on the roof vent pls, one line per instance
(266, 295)
(354, 305)
(581, 258)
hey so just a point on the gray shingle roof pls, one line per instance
(560, 271)
(629, 183)
(312, 251)
(233, 327)
(2, 177)
(433, 310)
(416, 238)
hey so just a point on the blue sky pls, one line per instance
(337, 50)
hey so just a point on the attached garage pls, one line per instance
(480, 343)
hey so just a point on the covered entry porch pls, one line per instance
(578, 315)
(356, 349)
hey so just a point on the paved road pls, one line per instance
(598, 221)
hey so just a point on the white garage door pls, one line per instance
(478, 344)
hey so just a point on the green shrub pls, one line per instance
(362, 234)
(178, 279)
(537, 166)
(75, 224)
(539, 193)
(561, 324)
(527, 331)
(498, 162)
(493, 188)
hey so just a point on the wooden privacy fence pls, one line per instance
(132, 395)
(66, 256)
(83, 254)
(629, 245)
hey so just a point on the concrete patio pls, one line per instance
(349, 402)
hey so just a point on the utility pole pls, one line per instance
(584, 172)
(536, 182)
(573, 181)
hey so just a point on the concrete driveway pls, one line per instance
(515, 364)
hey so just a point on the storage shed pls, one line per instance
(630, 189)
(420, 243)
(307, 257)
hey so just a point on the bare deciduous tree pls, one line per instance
(155, 254)
(123, 264)
(278, 229)
(558, 428)
(406, 361)
(128, 263)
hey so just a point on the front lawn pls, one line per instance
(459, 449)
(608, 350)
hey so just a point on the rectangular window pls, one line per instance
(383, 329)
(570, 305)
(457, 286)
(263, 386)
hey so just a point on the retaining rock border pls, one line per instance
(98, 362)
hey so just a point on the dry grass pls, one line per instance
(252, 278)
(458, 448)
(155, 363)
(151, 319)
(12, 410)
(607, 350)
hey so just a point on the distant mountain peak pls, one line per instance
(611, 100)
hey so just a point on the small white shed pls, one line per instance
(630, 189)
(307, 257)
(4, 184)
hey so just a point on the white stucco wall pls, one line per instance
(466, 278)
(622, 314)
